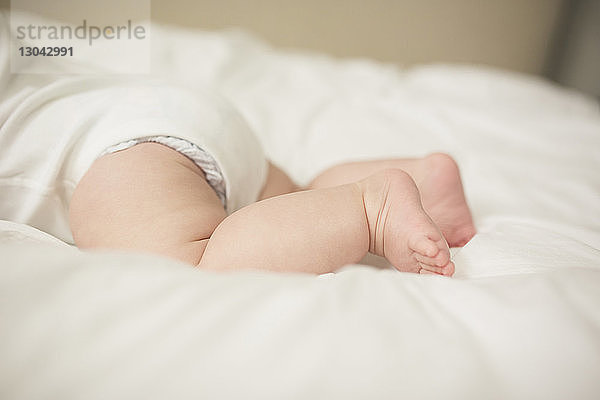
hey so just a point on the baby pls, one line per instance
(153, 197)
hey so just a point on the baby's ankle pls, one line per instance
(375, 193)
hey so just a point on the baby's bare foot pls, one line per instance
(438, 179)
(399, 228)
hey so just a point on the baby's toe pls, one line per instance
(424, 246)
(426, 272)
(432, 269)
(441, 259)
(448, 269)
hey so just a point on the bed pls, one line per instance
(520, 319)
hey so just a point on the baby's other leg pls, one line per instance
(438, 179)
(319, 231)
(148, 198)
(277, 183)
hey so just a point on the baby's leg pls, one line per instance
(278, 183)
(152, 199)
(322, 230)
(148, 198)
(438, 180)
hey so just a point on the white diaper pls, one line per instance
(52, 133)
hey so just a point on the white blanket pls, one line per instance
(521, 319)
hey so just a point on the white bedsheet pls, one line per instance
(521, 319)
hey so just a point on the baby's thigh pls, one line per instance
(147, 198)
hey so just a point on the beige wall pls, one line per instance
(578, 60)
(513, 34)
